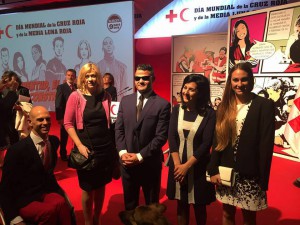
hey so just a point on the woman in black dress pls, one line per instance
(191, 132)
(87, 121)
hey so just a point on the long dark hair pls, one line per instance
(203, 92)
(235, 39)
(16, 67)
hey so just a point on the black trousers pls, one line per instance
(63, 141)
(137, 177)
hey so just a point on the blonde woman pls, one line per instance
(244, 141)
(87, 122)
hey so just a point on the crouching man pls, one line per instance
(29, 190)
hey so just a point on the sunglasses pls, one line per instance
(144, 78)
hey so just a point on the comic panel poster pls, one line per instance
(268, 40)
(202, 54)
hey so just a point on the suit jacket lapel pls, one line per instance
(67, 88)
(30, 147)
(146, 108)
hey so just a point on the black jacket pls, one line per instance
(255, 149)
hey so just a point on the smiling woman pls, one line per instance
(87, 121)
(245, 129)
(190, 137)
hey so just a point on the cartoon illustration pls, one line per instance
(240, 45)
(219, 67)
(186, 61)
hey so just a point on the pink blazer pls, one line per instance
(75, 107)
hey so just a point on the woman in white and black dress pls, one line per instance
(243, 141)
(190, 138)
(87, 121)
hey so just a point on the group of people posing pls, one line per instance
(240, 135)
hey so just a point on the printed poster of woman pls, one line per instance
(245, 33)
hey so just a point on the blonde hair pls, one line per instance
(89, 68)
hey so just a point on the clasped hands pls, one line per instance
(180, 172)
(129, 159)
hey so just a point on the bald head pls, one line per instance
(40, 121)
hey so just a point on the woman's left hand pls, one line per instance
(83, 150)
(180, 172)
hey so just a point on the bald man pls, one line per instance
(29, 190)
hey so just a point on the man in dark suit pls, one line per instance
(141, 131)
(62, 94)
(28, 189)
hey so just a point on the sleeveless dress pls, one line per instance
(97, 137)
(246, 194)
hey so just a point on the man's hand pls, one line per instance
(129, 159)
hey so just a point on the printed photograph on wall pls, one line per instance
(42, 45)
(204, 54)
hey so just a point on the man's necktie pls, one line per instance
(72, 87)
(139, 107)
(46, 155)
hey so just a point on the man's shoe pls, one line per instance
(64, 157)
(297, 182)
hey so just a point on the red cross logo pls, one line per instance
(1, 32)
(171, 16)
(295, 123)
(5, 32)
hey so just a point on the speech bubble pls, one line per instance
(262, 50)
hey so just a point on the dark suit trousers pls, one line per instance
(138, 177)
(51, 209)
(63, 141)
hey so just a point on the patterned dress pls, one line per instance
(246, 193)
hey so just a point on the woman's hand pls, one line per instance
(216, 179)
(180, 172)
(17, 107)
(83, 150)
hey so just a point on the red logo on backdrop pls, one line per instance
(5, 32)
(114, 23)
(112, 109)
(295, 123)
(172, 16)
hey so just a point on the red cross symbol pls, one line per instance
(295, 123)
(171, 16)
(1, 32)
